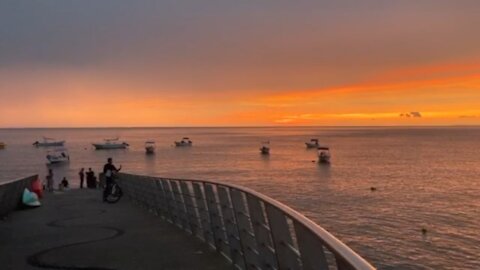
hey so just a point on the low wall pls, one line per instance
(251, 230)
(11, 193)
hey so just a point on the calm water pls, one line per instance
(425, 178)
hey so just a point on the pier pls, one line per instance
(166, 224)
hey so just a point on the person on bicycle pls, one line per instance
(109, 170)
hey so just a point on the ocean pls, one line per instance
(425, 178)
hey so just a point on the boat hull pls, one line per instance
(56, 160)
(182, 144)
(324, 160)
(150, 150)
(311, 145)
(109, 146)
(47, 144)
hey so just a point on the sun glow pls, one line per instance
(427, 96)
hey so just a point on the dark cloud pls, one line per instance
(411, 114)
(416, 114)
(264, 44)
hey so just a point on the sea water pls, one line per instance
(423, 178)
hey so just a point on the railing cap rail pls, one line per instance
(335, 245)
(18, 179)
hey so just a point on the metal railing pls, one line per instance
(251, 230)
(11, 193)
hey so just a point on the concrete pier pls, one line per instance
(75, 230)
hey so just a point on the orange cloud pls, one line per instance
(441, 99)
(75, 99)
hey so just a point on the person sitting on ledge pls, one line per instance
(64, 184)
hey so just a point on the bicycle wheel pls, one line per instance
(115, 194)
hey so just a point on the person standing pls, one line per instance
(50, 180)
(91, 182)
(82, 176)
(109, 170)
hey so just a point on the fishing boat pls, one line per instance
(59, 155)
(49, 142)
(150, 147)
(114, 143)
(184, 142)
(265, 148)
(313, 143)
(2, 145)
(324, 155)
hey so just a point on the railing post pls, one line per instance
(171, 202)
(180, 206)
(169, 216)
(282, 239)
(263, 236)
(342, 264)
(190, 208)
(216, 222)
(247, 237)
(236, 250)
(203, 214)
(162, 207)
(311, 249)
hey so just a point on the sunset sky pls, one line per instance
(239, 63)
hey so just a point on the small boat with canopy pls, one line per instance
(324, 155)
(313, 143)
(184, 142)
(114, 143)
(49, 142)
(265, 148)
(58, 155)
(150, 147)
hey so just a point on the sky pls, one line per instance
(239, 63)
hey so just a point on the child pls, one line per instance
(64, 183)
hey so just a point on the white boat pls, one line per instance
(58, 155)
(114, 143)
(313, 143)
(265, 148)
(48, 142)
(184, 142)
(324, 155)
(150, 147)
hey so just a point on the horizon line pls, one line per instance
(240, 126)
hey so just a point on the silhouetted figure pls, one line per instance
(63, 184)
(82, 176)
(91, 179)
(109, 170)
(50, 180)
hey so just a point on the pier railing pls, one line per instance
(251, 230)
(11, 193)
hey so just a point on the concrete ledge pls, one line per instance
(11, 194)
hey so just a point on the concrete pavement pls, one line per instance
(75, 230)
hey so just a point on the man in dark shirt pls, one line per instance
(82, 176)
(109, 170)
